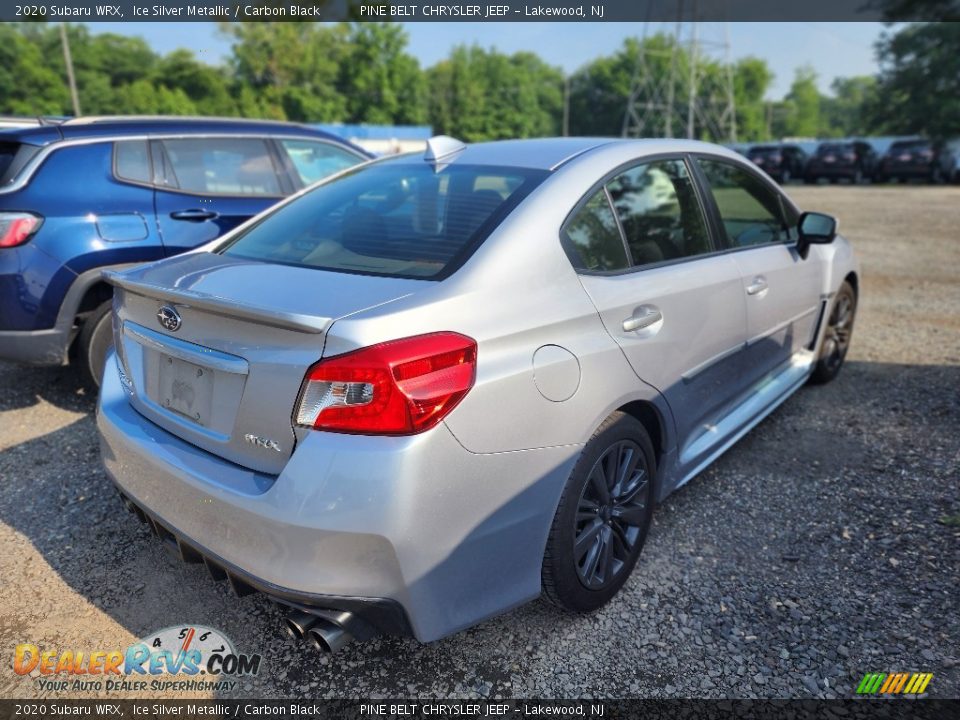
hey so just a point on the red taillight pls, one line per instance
(400, 387)
(16, 228)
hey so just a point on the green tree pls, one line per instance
(918, 89)
(381, 82)
(479, 94)
(28, 85)
(751, 80)
(291, 68)
(848, 111)
(803, 105)
(204, 87)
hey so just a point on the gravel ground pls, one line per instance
(826, 544)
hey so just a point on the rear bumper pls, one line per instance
(832, 171)
(34, 347)
(419, 523)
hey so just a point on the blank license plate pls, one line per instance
(186, 389)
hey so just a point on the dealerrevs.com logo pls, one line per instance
(898, 683)
(175, 658)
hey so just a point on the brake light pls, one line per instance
(16, 228)
(400, 387)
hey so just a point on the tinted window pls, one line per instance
(750, 211)
(658, 210)
(763, 151)
(221, 166)
(834, 149)
(595, 238)
(391, 218)
(132, 160)
(314, 160)
(13, 158)
(910, 146)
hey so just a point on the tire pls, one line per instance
(614, 530)
(836, 339)
(93, 344)
(810, 180)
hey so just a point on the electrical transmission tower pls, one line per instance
(678, 86)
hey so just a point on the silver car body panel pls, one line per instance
(451, 523)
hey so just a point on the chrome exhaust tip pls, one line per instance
(297, 624)
(328, 637)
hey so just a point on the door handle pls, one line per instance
(643, 317)
(758, 285)
(193, 215)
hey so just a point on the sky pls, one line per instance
(832, 49)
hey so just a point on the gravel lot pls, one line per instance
(826, 544)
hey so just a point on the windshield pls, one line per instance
(400, 219)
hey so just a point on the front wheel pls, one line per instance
(95, 341)
(836, 339)
(603, 517)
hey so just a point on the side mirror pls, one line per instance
(815, 229)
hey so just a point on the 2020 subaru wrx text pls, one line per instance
(81, 195)
(435, 387)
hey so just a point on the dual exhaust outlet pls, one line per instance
(327, 630)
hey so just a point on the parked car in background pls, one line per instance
(439, 385)
(92, 193)
(855, 161)
(783, 162)
(928, 160)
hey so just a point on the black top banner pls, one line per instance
(483, 10)
(426, 709)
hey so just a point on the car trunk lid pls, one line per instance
(214, 349)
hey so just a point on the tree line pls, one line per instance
(363, 73)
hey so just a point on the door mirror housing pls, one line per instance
(815, 229)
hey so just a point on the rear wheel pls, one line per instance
(836, 339)
(603, 517)
(93, 344)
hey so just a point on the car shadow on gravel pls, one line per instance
(25, 386)
(773, 513)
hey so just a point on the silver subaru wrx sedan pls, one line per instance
(437, 386)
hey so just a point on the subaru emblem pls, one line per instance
(168, 318)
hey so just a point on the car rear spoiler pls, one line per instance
(220, 306)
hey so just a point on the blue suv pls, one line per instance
(82, 195)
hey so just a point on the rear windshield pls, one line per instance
(764, 151)
(400, 219)
(834, 148)
(910, 145)
(13, 156)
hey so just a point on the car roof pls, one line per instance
(551, 153)
(112, 126)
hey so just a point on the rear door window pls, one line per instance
(220, 166)
(314, 160)
(658, 210)
(392, 218)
